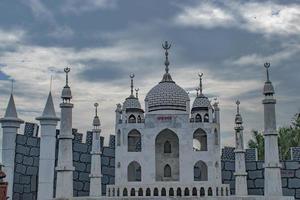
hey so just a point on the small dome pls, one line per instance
(268, 88)
(66, 93)
(131, 102)
(96, 121)
(201, 102)
(167, 95)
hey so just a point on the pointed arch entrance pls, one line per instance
(167, 162)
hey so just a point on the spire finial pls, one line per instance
(137, 92)
(267, 66)
(238, 106)
(12, 86)
(131, 86)
(197, 90)
(200, 84)
(51, 79)
(67, 70)
(166, 46)
(96, 109)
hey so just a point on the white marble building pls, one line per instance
(170, 148)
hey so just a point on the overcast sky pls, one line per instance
(105, 40)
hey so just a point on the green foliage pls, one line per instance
(287, 137)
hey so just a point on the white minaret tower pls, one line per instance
(64, 183)
(95, 175)
(10, 125)
(48, 122)
(240, 165)
(272, 165)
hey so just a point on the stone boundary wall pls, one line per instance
(290, 173)
(27, 163)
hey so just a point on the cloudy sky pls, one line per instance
(105, 40)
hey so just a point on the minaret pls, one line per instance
(64, 169)
(95, 175)
(10, 125)
(240, 165)
(272, 165)
(48, 122)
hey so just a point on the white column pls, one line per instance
(64, 183)
(273, 185)
(10, 125)
(48, 123)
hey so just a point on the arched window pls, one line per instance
(134, 172)
(206, 118)
(139, 119)
(132, 192)
(163, 192)
(125, 192)
(134, 141)
(167, 147)
(200, 171)
(118, 138)
(178, 192)
(199, 140)
(216, 137)
(186, 192)
(198, 118)
(209, 192)
(222, 191)
(194, 192)
(140, 192)
(148, 192)
(167, 171)
(202, 192)
(118, 192)
(155, 192)
(131, 119)
(171, 192)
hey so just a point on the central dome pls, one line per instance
(167, 95)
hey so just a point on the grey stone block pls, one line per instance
(26, 188)
(297, 193)
(104, 160)
(259, 183)
(18, 158)
(256, 191)
(21, 139)
(34, 151)
(75, 175)
(250, 166)
(226, 175)
(78, 185)
(260, 165)
(284, 182)
(36, 161)
(112, 162)
(76, 156)
(22, 150)
(80, 147)
(255, 174)
(88, 168)
(109, 152)
(20, 168)
(28, 196)
(33, 183)
(82, 194)
(18, 188)
(32, 141)
(108, 171)
(292, 165)
(85, 158)
(105, 179)
(229, 166)
(111, 180)
(297, 173)
(27, 160)
(294, 183)
(25, 179)
(17, 177)
(288, 192)
(32, 171)
(79, 166)
(287, 173)
(86, 187)
(17, 196)
(250, 184)
(83, 176)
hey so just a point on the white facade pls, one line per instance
(170, 145)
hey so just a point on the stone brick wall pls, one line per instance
(27, 162)
(295, 153)
(290, 173)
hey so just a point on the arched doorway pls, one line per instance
(134, 172)
(200, 171)
(167, 162)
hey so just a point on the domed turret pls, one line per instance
(66, 93)
(167, 95)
